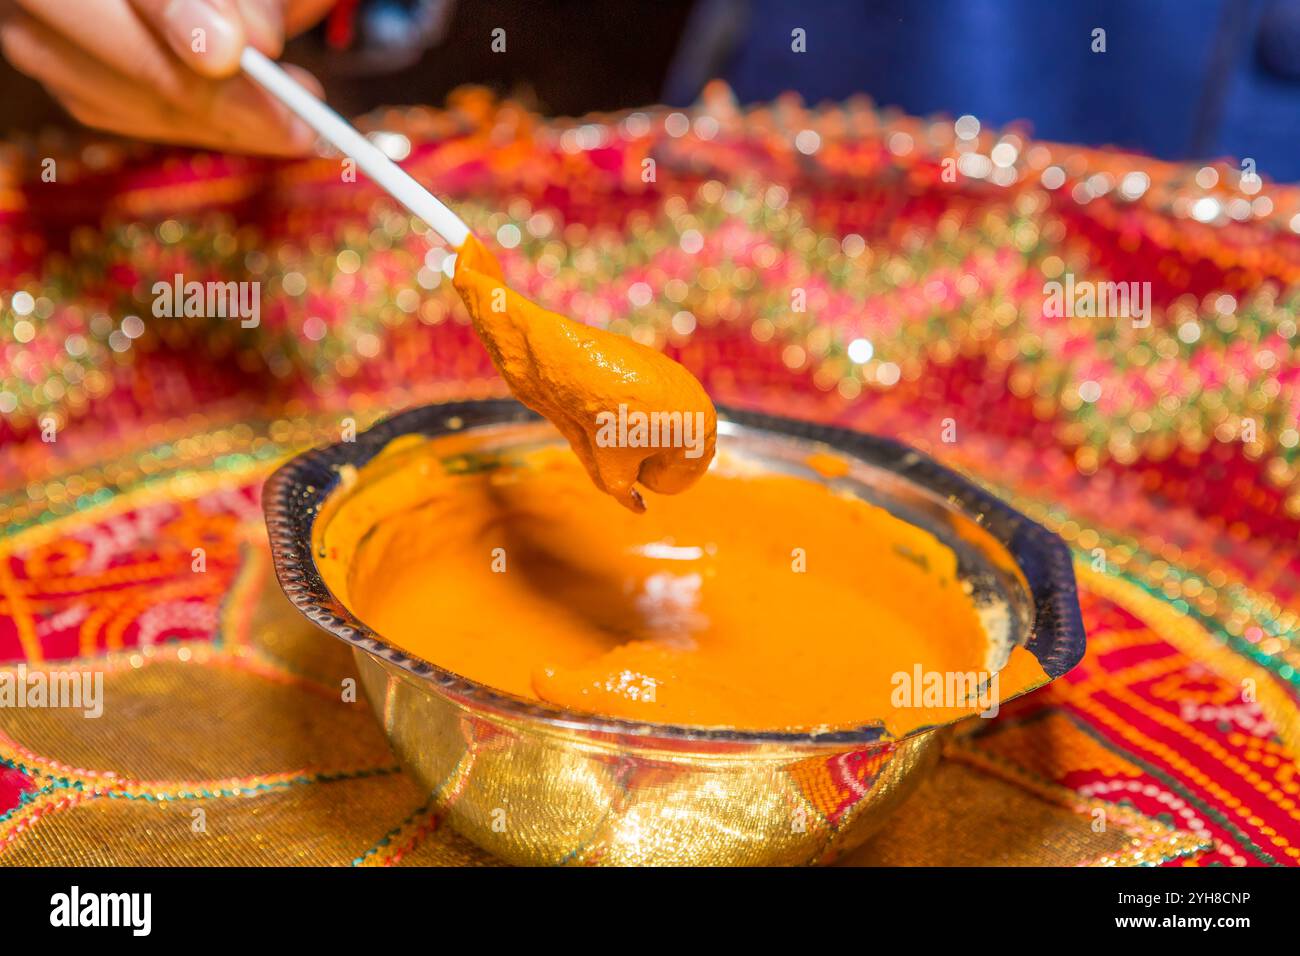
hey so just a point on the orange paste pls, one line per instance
(584, 379)
(757, 601)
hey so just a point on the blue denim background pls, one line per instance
(1180, 79)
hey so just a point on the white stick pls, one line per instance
(332, 127)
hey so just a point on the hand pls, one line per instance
(164, 70)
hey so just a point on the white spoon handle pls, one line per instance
(342, 135)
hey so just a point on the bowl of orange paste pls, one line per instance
(755, 672)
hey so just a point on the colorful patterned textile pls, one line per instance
(884, 273)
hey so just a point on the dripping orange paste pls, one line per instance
(756, 601)
(586, 380)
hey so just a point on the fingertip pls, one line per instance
(204, 37)
(302, 138)
(312, 84)
(279, 131)
(263, 26)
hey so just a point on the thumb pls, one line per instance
(209, 35)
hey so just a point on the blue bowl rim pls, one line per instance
(294, 493)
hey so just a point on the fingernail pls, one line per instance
(301, 136)
(312, 84)
(202, 35)
(264, 31)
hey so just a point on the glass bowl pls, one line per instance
(536, 784)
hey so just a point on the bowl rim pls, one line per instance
(293, 495)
